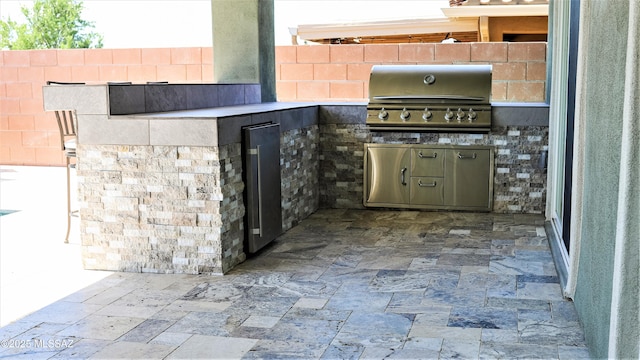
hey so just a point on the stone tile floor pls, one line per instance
(343, 284)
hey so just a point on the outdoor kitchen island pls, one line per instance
(160, 186)
(162, 191)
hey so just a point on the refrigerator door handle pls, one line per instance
(259, 192)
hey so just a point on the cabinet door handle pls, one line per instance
(259, 192)
(422, 156)
(460, 156)
(433, 184)
(402, 176)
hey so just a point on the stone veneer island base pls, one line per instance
(161, 190)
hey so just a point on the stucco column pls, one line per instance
(624, 333)
(244, 44)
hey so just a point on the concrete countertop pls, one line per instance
(504, 113)
(520, 114)
(229, 111)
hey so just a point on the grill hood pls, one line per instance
(426, 96)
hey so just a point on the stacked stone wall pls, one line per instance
(519, 173)
(342, 164)
(180, 209)
(299, 164)
(151, 208)
(232, 208)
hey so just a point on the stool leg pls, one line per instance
(66, 238)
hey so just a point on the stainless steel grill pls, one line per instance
(430, 97)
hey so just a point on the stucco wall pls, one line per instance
(603, 93)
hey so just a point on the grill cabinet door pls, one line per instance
(262, 179)
(388, 175)
(468, 174)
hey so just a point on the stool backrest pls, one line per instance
(67, 124)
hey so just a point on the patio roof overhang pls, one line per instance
(469, 22)
(477, 11)
(383, 29)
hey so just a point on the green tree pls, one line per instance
(51, 24)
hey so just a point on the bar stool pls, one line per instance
(67, 125)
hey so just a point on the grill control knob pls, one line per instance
(383, 114)
(448, 115)
(405, 115)
(427, 115)
(460, 115)
(471, 115)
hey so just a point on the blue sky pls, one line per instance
(184, 23)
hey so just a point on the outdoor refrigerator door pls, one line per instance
(262, 185)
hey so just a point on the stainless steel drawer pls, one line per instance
(427, 191)
(427, 162)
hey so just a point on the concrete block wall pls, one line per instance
(341, 72)
(29, 136)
